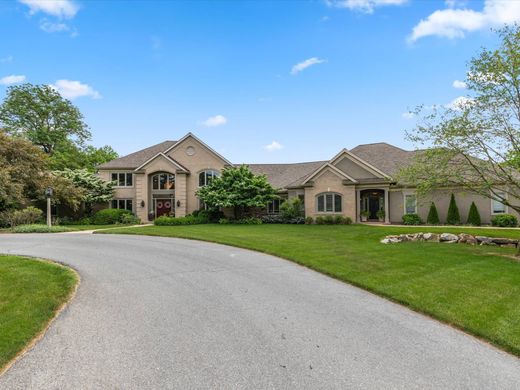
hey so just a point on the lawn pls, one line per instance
(474, 288)
(31, 291)
(73, 228)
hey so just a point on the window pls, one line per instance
(205, 177)
(125, 204)
(163, 181)
(273, 207)
(496, 206)
(410, 204)
(123, 179)
(328, 202)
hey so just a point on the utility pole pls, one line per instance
(48, 195)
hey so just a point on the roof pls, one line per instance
(385, 157)
(286, 175)
(134, 160)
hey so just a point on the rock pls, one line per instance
(445, 237)
(502, 241)
(385, 241)
(391, 240)
(508, 245)
(467, 238)
(483, 240)
(431, 237)
(450, 242)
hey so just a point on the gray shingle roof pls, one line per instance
(385, 157)
(286, 175)
(134, 160)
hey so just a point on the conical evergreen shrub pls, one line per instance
(473, 215)
(433, 215)
(453, 212)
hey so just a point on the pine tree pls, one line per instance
(473, 215)
(433, 216)
(453, 212)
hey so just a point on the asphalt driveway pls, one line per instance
(165, 313)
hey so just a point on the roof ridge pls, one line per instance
(379, 143)
(292, 163)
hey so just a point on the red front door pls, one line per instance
(163, 207)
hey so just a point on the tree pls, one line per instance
(95, 189)
(70, 156)
(475, 144)
(473, 215)
(237, 188)
(433, 215)
(453, 217)
(41, 115)
(24, 176)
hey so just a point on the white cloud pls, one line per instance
(305, 64)
(366, 6)
(459, 84)
(459, 103)
(6, 59)
(12, 79)
(70, 89)
(273, 146)
(51, 27)
(214, 121)
(408, 115)
(60, 8)
(455, 23)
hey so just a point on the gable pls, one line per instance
(161, 162)
(194, 154)
(329, 172)
(354, 169)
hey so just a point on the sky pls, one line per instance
(259, 81)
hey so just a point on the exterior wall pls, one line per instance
(442, 201)
(330, 182)
(203, 159)
(141, 193)
(353, 169)
(121, 192)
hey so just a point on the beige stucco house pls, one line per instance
(164, 178)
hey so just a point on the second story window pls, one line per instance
(123, 179)
(205, 177)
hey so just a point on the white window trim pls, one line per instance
(325, 202)
(506, 208)
(125, 173)
(216, 173)
(126, 200)
(405, 194)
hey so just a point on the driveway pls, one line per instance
(161, 313)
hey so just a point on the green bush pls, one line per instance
(34, 228)
(71, 222)
(248, 221)
(412, 219)
(473, 215)
(329, 220)
(433, 215)
(109, 216)
(453, 212)
(292, 208)
(320, 220)
(223, 221)
(309, 221)
(209, 215)
(27, 216)
(504, 220)
(172, 221)
(130, 219)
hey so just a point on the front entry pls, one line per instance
(371, 201)
(163, 207)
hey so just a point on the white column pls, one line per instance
(387, 208)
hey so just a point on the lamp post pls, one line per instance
(48, 195)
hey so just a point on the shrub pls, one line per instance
(309, 221)
(412, 219)
(473, 215)
(381, 214)
(223, 221)
(247, 221)
(172, 221)
(453, 212)
(504, 220)
(433, 215)
(27, 216)
(320, 220)
(130, 219)
(292, 208)
(209, 215)
(329, 220)
(109, 216)
(346, 221)
(273, 218)
(34, 228)
(68, 221)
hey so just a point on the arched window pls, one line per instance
(163, 181)
(328, 202)
(205, 177)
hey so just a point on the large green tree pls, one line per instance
(89, 157)
(41, 115)
(237, 188)
(475, 143)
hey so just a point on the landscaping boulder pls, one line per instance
(465, 238)
(431, 237)
(503, 241)
(448, 237)
(391, 240)
(483, 240)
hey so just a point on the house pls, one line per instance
(163, 180)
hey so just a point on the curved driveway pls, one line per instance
(168, 313)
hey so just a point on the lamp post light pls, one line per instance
(48, 195)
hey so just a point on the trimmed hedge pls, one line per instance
(473, 215)
(172, 221)
(109, 216)
(331, 220)
(36, 228)
(453, 217)
(504, 220)
(412, 219)
(433, 215)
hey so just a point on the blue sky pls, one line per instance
(143, 72)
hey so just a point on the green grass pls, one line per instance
(41, 228)
(474, 288)
(30, 293)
